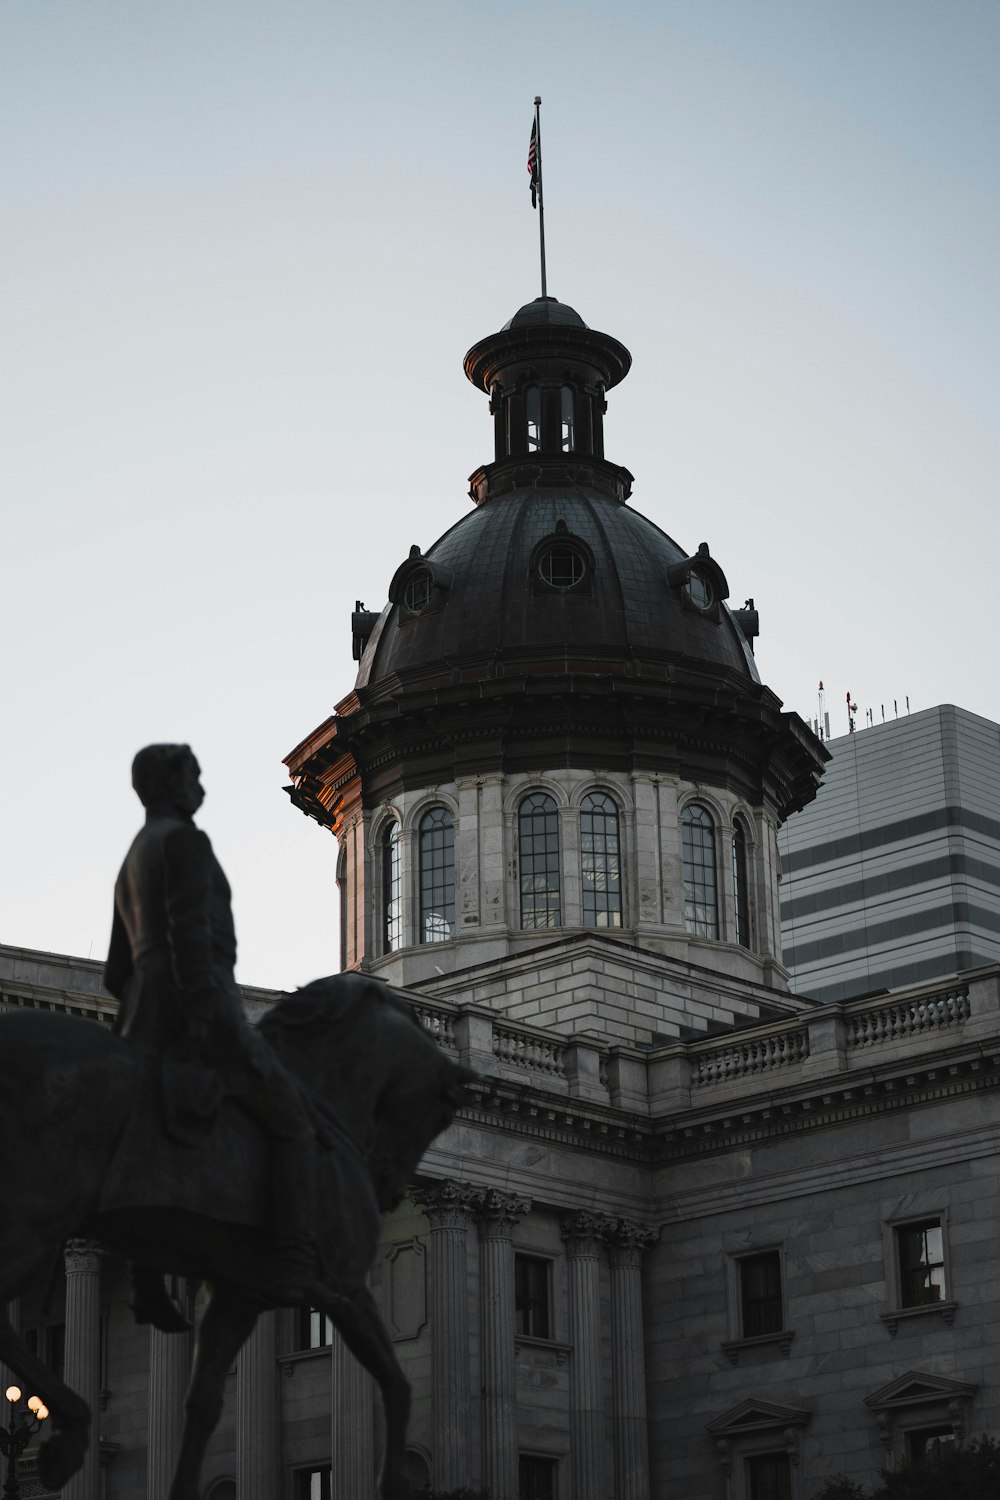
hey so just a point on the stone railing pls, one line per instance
(892, 1021)
(747, 1059)
(782, 1054)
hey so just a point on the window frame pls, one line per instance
(739, 1340)
(552, 908)
(542, 1265)
(551, 1462)
(424, 907)
(743, 926)
(689, 870)
(390, 886)
(594, 792)
(307, 1472)
(893, 1229)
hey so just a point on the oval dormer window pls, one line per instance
(417, 590)
(562, 566)
(700, 590)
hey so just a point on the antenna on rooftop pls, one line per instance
(822, 722)
(852, 709)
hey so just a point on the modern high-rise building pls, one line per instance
(892, 875)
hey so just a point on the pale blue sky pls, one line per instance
(245, 248)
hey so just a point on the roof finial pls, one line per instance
(535, 172)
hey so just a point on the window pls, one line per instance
(562, 566)
(313, 1484)
(536, 1478)
(741, 885)
(566, 406)
(532, 1283)
(920, 1251)
(437, 876)
(392, 891)
(925, 1445)
(761, 1310)
(600, 868)
(533, 410)
(769, 1477)
(315, 1329)
(538, 837)
(701, 907)
(342, 904)
(417, 590)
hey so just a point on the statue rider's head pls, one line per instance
(167, 777)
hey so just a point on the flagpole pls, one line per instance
(541, 203)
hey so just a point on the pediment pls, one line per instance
(755, 1415)
(917, 1387)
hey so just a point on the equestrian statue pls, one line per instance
(258, 1159)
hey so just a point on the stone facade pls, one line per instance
(633, 1183)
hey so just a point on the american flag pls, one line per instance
(533, 163)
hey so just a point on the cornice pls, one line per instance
(529, 1111)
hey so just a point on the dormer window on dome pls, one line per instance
(561, 562)
(701, 583)
(419, 586)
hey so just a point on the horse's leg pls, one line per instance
(358, 1322)
(224, 1328)
(63, 1453)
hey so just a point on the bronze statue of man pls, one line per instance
(170, 964)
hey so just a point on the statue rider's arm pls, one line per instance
(187, 870)
(118, 966)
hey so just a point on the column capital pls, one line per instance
(584, 1232)
(448, 1204)
(628, 1240)
(83, 1257)
(499, 1212)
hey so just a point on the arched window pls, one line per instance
(392, 890)
(701, 902)
(568, 426)
(342, 901)
(741, 884)
(533, 411)
(437, 876)
(600, 866)
(538, 840)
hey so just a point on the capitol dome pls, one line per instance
(558, 732)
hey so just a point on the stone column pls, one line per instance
(626, 1244)
(258, 1413)
(169, 1373)
(497, 1217)
(449, 1206)
(353, 1436)
(583, 1234)
(83, 1355)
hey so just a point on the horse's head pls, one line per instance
(412, 1112)
(358, 1047)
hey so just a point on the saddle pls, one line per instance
(185, 1146)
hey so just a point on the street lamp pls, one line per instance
(23, 1424)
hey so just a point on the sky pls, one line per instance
(245, 248)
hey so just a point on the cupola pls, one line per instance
(547, 376)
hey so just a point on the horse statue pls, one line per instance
(87, 1156)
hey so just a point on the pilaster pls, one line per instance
(258, 1414)
(583, 1233)
(83, 1355)
(498, 1214)
(169, 1373)
(449, 1206)
(627, 1243)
